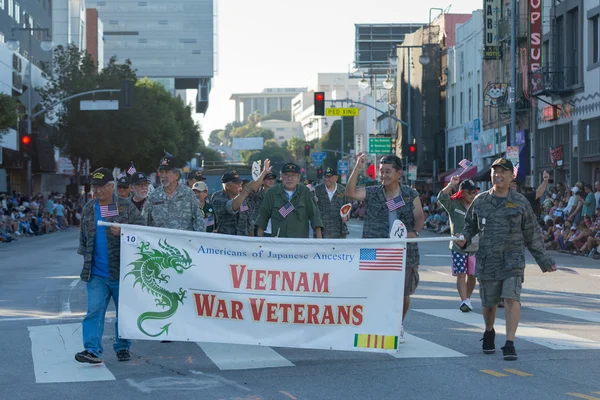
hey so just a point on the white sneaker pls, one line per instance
(401, 337)
(468, 303)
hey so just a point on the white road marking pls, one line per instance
(577, 313)
(65, 312)
(543, 337)
(415, 347)
(53, 349)
(576, 296)
(239, 356)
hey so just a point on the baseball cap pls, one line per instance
(467, 184)
(200, 186)
(167, 163)
(290, 167)
(139, 177)
(504, 164)
(102, 176)
(231, 176)
(330, 172)
(271, 175)
(196, 175)
(123, 182)
(575, 189)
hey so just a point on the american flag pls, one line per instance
(131, 169)
(465, 163)
(310, 187)
(110, 210)
(395, 203)
(381, 259)
(244, 207)
(122, 175)
(286, 209)
(515, 170)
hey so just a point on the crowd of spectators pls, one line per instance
(22, 217)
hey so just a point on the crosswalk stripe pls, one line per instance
(576, 313)
(543, 337)
(53, 349)
(415, 347)
(240, 356)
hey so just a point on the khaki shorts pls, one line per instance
(411, 280)
(492, 291)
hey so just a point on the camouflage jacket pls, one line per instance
(377, 223)
(506, 225)
(128, 214)
(182, 211)
(334, 228)
(254, 201)
(229, 221)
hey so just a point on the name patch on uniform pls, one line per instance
(156, 203)
(511, 205)
(461, 212)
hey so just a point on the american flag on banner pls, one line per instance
(465, 163)
(395, 203)
(286, 209)
(110, 210)
(131, 169)
(244, 207)
(381, 259)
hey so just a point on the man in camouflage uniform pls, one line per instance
(256, 197)
(381, 212)
(506, 225)
(123, 187)
(232, 212)
(100, 247)
(330, 198)
(141, 186)
(172, 205)
(290, 206)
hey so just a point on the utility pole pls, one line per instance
(513, 67)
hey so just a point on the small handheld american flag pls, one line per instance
(286, 209)
(109, 210)
(465, 163)
(122, 175)
(244, 207)
(515, 170)
(395, 203)
(131, 170)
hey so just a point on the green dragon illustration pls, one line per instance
(149, 270)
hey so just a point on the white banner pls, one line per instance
(303, 293)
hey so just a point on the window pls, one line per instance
(594, 39)
(17, 13)
(11, 11)
(559, 46)
(1, 4)
(451, 162)
(470, 104)
(459, 153)
(469, 151)
(478, 101)
(573, 41)
(113, 22)
(461, 65)
(546, 54)
(461, 108)
(453, 110)
(2, 38)
(187, 40)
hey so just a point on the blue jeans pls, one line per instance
(99, 292)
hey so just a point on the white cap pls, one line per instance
(575, 189)
(200, 186)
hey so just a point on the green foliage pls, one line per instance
(250, 130)
(332, 140)
(156, 122)
(271, 150)
(216, 137)
(9, 114)
(296, 148)
(282, 115)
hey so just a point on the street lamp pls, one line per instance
(388, 83)
(424, 59)
(363, 83)
(46, 45)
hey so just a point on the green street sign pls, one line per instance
(380, 145)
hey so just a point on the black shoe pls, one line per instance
(87, 357)
(489, 347)
(123, 355)
(509, 352)
(464, 307)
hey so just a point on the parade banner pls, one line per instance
(302, 293)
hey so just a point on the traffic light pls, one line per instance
(319, 103)
(412, 153)
(25, 144)
(307, 150)
(320, 173)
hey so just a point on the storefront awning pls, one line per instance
(466, 174)
(484, 175)
(443, 175)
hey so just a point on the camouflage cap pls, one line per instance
(123, 182)
(231, 176)
(290, 167)
(503, 163)
(102, 176)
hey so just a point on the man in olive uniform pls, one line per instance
(123, 187)
(172, 205)
(331, 196)
(201, 191)
(231, 208)
(506, 225)
(194, 176)
(384, 204)
(290, 206)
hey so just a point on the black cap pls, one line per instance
(231, 176)
(167, 163)
(467, 184)
(123, 182)
(271, 175)
(330, 172)
(196, 175)
(102, 176)
(139, 177)
(290, 167)
(503, 163)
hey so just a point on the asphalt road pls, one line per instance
(558, 343)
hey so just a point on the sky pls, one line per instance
(279, 43)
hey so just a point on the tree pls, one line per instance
(332, 140)
(282, 115)
(271, 150)
(254, 118)
(9, 115)
(216, 137)
(250, 130)
(296, 148)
